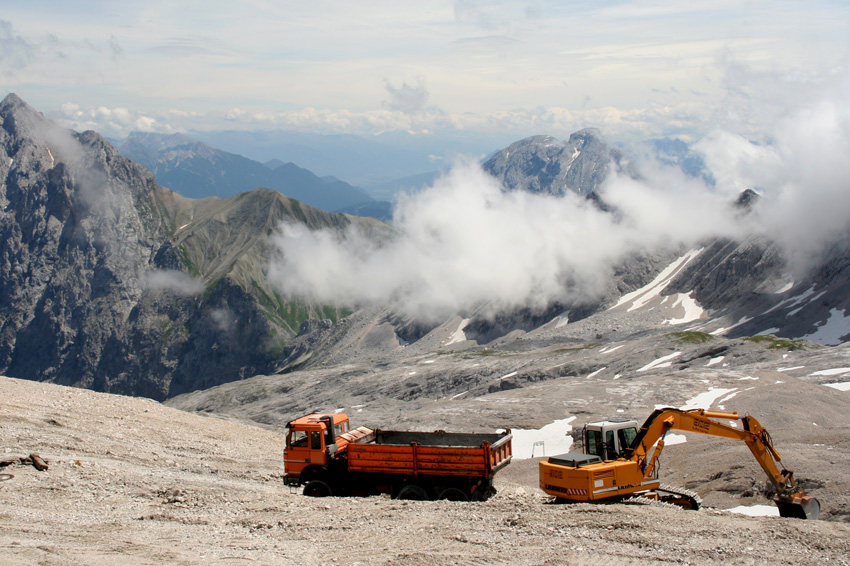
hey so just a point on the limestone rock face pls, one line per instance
(111, 282)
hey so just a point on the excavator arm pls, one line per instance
(790, 496)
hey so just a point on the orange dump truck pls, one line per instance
(327, 457)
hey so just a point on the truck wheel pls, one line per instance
(412, 493)
(317, 488)
(453, 494)
(483, 493)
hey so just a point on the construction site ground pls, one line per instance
(131, 481)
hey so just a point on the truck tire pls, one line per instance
(453, 494)
(317, 488)
(412, 492)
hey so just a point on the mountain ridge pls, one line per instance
(112, 282)
(197, 170)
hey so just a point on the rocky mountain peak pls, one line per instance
(587, 135)
(20, 120)
(544, 164)
(13, 101)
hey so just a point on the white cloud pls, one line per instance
(466, 244)
(110, 121)
(488, 64)
(173, 281)
(407, 98)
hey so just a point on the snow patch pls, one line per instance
(562, 319)
(714, 361)
(795, 301)
(643, 295)
(844, 386)
(661, 362)
(788, 286)
(705, 400)
(833, 371)
(607, 350)
(673, 438)
(555, 438)
(722, 331)
(756, 510)
(594, 373)
(692, 310)
(459, 335)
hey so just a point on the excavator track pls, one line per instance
(679, 496)
(650, 501)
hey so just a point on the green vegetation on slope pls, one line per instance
(774, 343)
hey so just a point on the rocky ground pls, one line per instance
(131, 481)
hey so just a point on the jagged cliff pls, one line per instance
(111, 282)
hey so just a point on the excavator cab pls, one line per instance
(609, 439)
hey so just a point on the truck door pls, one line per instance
(304, 448)
(317, 451)
(297, 454)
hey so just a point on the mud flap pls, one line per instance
(802, 508)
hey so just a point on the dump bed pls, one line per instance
(431, 453)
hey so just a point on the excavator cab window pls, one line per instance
(627, 437)
(594, 443)
(610, 448)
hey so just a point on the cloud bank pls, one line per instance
(466, 244)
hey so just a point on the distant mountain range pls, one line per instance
(110, 281)
(365, 161)
(196, 170)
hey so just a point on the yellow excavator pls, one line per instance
(617, 465)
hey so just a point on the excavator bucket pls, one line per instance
(799, 508)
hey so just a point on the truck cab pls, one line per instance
(313, 440)
(609, 439)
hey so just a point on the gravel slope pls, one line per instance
(134, 482)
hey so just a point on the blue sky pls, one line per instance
(633, 69)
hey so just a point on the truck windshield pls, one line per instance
(340, 428)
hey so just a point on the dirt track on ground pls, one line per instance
(134, 482)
